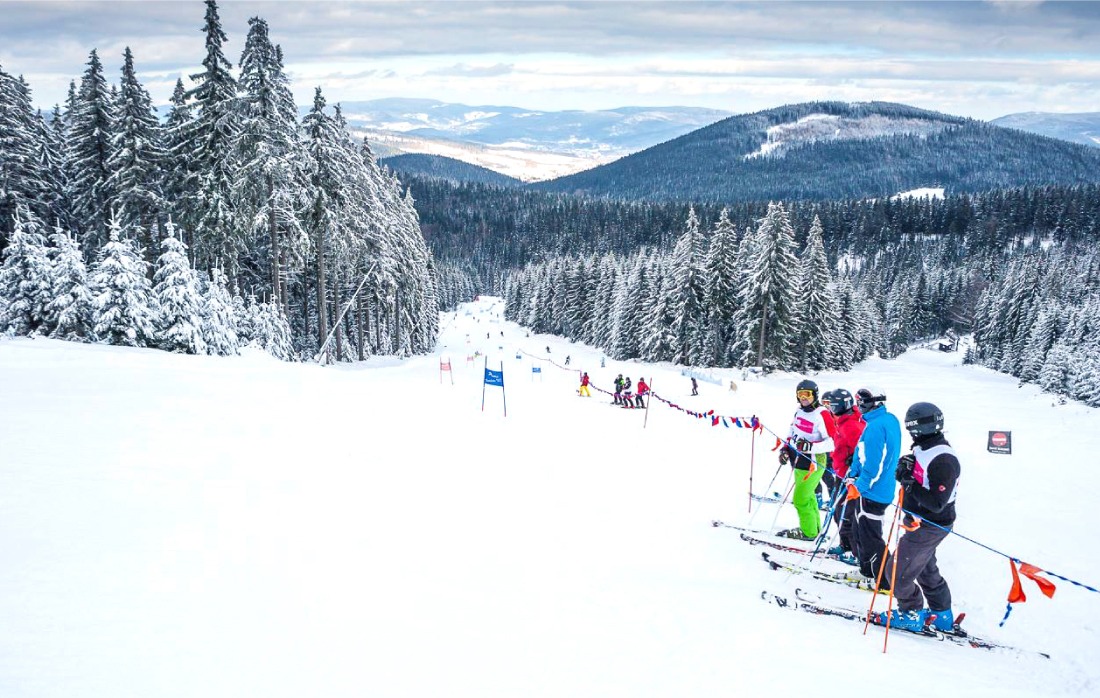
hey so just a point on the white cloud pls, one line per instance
(554, 55)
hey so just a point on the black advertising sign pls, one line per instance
(1000, 442)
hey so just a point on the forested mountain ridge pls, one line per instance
(441, 167)
(835, 150)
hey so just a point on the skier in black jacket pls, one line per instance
(930, 479)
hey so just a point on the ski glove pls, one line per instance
(904, 473)
(853, 493)
(803, 445)
(784, 456)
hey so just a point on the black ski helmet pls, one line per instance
(807, 384)
(869, 399)
(923, 419)
(839, 401)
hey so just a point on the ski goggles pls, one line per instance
(804, 394)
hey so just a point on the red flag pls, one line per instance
(1032, 573)
(1016, 593)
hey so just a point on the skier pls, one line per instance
(810, 440)
(619, 389)
(643, 388)
(567, 358)
(872, 478)
(583, 390)
(929, 477)
(694, 386)
(849, 427)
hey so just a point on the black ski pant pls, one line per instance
(918, 577)
(844, 513)
(867, 541)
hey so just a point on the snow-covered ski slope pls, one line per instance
(225, 527)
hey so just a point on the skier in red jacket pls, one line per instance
(583, 391)
(849, 427)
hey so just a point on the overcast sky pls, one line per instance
(980, 59)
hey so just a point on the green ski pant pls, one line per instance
(804, 497)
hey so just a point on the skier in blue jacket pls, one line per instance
(872, 476)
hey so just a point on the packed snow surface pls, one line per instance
(223, 527)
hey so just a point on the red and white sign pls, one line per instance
(1000, 442)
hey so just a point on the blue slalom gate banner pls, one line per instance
(494, 378)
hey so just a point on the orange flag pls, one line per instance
(1016, 593)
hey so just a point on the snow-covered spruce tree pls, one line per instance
(579, 296)
(270, 330)
(121, 294)
(211, 139)
(178, 302)
(69, 313)
(720, 274)
(270, 184)
(848, 343)
(22, 183)
(816, 312)
(219, 322)
(603, 304)
(91, 129)
(53, 157)
(1044, 333)
(1057, 371)
(416, 283)
(244, 320)
(328, 218)
(657, 339)
(767, 293)
(688, 288)
(137, 157)
(25, 278)
(176, 162)
(632, 302)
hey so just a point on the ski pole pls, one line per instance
(828, 521)
(770, 484)
(878, 577)
(784, 501)
(893, 573)
(752, 464)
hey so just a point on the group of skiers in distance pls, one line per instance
(627, 394)
(852, 443)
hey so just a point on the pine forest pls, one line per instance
(228, 223)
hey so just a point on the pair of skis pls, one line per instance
(812, 604)
(753, 536)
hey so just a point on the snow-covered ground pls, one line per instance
(198, 526)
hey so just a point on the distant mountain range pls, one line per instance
(526, 144)
(820, 150)
(835, 150)
(1075, 128)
